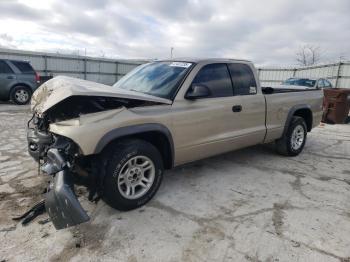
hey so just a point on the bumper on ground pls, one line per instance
(62, 204)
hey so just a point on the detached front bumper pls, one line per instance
(62, 204)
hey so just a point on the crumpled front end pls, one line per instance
(69, 118)
(60, 88)
(56, 156)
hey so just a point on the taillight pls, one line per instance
(37, 77)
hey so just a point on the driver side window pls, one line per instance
(217, 78)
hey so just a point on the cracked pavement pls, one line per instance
(248, 205)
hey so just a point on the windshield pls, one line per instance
(300, 82)
(158, 79)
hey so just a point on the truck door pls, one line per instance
(200, 125)
(248, 125)
(218, 123)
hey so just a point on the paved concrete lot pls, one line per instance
(249, 205)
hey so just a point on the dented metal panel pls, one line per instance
(62, 87)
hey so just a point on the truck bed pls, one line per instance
(280, 101)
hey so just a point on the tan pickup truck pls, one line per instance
(119, 140)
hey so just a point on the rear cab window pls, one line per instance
(24, 67)
(243, 79)
(5, 68)
(217, 78)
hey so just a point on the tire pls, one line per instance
(293, 141)
(124, 170)
(21, 95)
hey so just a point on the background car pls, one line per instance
(307, 82)
(18, 81)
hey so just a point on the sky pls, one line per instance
(267, 32)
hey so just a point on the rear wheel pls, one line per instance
(21, 95)
(133, 175)
(293, 141)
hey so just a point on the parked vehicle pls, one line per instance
(301, 83)
(163, 114)
(18, 81)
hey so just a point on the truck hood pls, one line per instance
(61, 87)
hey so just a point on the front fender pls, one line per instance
(134, 130)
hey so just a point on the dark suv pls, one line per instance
(18, 81)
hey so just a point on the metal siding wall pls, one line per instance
(125, 68)
(345, 70)
(344, 80)
(93, 66)
(76, 75)
(100, 78)
(274, 76)
(93, 77)
(66, 65)
(108, 67)
(118, 77)
(107, 79)
(106, 71)
(344, 83)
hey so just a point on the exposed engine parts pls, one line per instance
(75, 106)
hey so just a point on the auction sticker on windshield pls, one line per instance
(181, 64)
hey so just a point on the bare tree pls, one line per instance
(308, 55)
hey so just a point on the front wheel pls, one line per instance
(133, 175)
(293, 141)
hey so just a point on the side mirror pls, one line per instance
(197, 91)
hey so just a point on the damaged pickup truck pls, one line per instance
(118, 140)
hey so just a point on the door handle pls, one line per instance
(10, 77)
(237, 108)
